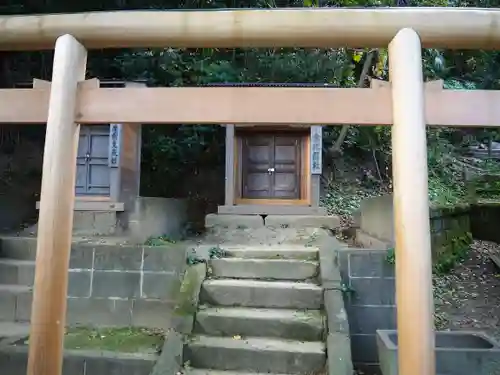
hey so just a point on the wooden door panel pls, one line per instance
(257, 159)
(285, 185)
(258, 185)
(286, 167)
(271, 166)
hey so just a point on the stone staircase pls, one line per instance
(260, 313)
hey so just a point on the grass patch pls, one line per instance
(125, 340)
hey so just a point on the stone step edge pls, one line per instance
(258, 344)
(195, 371)
(256, 283)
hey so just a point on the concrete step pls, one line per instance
(22, 248)
(15, 302)
(277, 269)
(11, 329)
(273, 252)
(217, 372)
(257, 293)
(17, 272)
(245, 322)
(255, 355)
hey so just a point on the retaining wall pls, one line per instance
(14, 361)
(484, 218)
(450, 227)
(371, 305)
(115, 285)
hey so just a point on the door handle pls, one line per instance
(87, 156)
(270, 170)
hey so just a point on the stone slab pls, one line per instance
(120, 365)
(163, 286)
(373, 291)
(23, 248)
(279, 323)
(170, 258)
(9, 295)
(81, 256)
(170, 359)
(303, 221)
(276, 269)
(329, 271)
(219, 372)
(17, 272)
(367, 320)
(10, 329)
(14, 359)
(118, 258)
(99, 312)
(255, 209)
(152, 313)
(273, 252)
(369, 241)
(369, 263)
(233, 221)
(79, 283)
(339, 354)
(335, 312)
(256, 354)
(116, 284)
(188, 298)
(270, 294)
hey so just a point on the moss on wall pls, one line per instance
(450, 235)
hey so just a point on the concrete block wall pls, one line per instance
(126, 285)
(111, 285)
(372, 303)
(14, 361)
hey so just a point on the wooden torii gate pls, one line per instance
(405, 104)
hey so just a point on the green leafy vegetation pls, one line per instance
(127, 340)
(159, 241)
(213, 253)
(455, 252)
(459, 247)
(193, 156)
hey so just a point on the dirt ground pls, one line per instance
(469, 297)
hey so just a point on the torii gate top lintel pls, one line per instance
(459, 28)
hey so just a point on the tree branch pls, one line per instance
(361, 83)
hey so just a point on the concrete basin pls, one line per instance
(457, 353)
